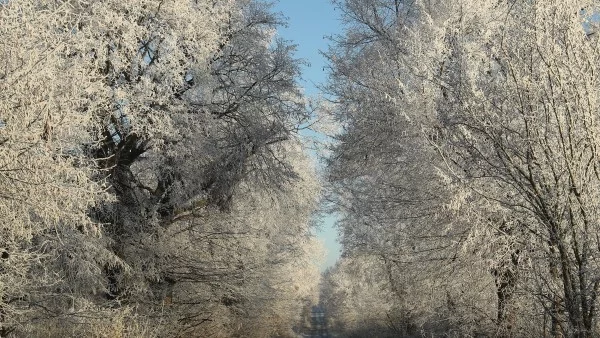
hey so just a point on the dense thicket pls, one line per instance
(153, 179)
(466, 168)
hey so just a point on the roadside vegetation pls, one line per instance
(154, 183)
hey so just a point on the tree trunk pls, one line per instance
(505, 278)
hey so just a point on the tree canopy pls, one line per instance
(465, 171)
(154, 182)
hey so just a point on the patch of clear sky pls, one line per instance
(309, 23)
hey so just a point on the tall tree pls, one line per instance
(500, 98)
(520, 112)
(151, 161)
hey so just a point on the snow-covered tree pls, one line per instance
(468, 138)
(153, 178)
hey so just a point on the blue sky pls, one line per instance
(309, 22)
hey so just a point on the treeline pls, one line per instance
(466, 171)
(152, 179)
